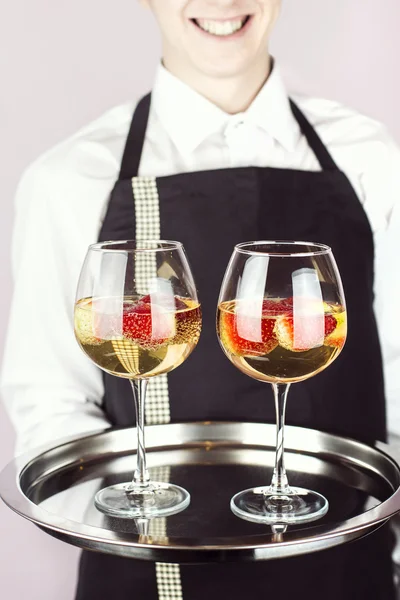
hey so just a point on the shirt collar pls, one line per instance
(271, 111)
(189, 118)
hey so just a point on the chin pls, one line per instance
(223, 69)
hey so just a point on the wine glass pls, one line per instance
(137, 316)
(281, 319)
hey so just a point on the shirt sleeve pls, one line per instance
(381, 185)
(50, 388)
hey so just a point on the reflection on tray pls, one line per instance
(56, 489)
(211, 485)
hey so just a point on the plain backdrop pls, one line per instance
(63, 63)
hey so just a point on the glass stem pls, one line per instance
(141, 475)
(279, 484)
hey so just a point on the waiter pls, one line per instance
(217, 154)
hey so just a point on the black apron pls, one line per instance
(210, 212)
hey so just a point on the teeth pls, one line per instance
(221, 27)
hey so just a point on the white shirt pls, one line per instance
(51, 389)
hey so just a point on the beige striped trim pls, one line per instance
(157, 408)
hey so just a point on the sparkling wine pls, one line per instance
(139, 337)
(281, 340)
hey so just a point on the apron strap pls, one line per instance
(135, 140)
(314, 141)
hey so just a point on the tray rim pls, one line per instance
(14, 497)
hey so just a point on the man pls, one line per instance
(227, 157)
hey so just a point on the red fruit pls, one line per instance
(337, 337)
(147, 323)
(305, 332)
(136, 322)
(277, 307)
(245, 335)
(330, 324)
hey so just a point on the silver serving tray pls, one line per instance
(54, 488)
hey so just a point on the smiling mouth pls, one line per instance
(222, 28)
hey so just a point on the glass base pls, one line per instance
(130, 501)
(261, 505)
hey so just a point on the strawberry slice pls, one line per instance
(337, 336)
(243, 336)
(330, 324)
(304, 333)
(277, 307)
(136, 322)
(147, 323)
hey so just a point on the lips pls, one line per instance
(222, 27)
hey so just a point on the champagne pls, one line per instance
(281, 341)
(137, 338)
